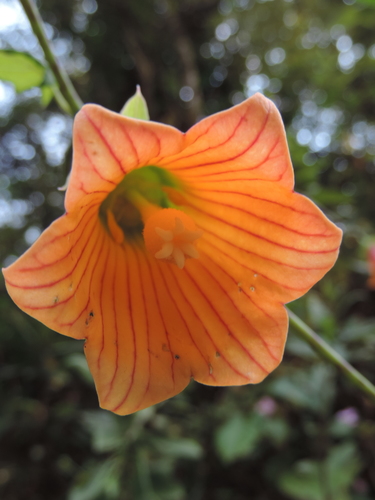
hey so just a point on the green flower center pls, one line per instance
(141, 188)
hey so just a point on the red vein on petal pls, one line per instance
(235, 157)
(101, 303)
(130, 309)
(246, 168)
(186, 325)
(157, 139)
(114, 312)
(202, 134)
(255, 330)
(82, 188)
(83, 274)
(158, 160)
(204, 328)
(132, 145)
(257, 305)
(263, 238)
(87, 156)
(281, 285)
(184, 134)
(42, 266)
(136, 253)
(226, 326)
(105, 141)
(52, 283)
(57, 304)
(269, 221)
(155, 267)
(198, 179)
(259, 198)
(209, 148)
(261, 308)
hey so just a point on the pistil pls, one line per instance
(170, 235)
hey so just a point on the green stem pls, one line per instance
(326, 351)
(62, 78)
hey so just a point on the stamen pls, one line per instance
(190, 250)
(165, 252)
(165, 235)
(170, 234)
(179, 257)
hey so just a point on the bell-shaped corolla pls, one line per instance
(177, 252)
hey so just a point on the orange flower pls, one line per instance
(176, 253)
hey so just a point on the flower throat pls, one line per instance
(141, 205)
(142, 190)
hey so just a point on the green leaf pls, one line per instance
(238, 437)
(302, 482)
(179, 448)
(21, 69)
(276, 430)
(47, 95)
(314, 480)
(136, 106)
(343, 465)
(106, 434)
(368, 3)
(101, 480)
(313, 389)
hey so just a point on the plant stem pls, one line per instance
(62, 78)
(327, 352)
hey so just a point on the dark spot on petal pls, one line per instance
(176, 356)
(89, 317)
(55, 300)
(217, 354)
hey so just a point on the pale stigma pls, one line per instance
(177, 244)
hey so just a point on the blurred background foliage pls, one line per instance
(303, 434)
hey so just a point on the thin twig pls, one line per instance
(62, 78)
(326, 351)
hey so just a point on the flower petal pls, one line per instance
(107, 145)
(163, 326)
(234, 340)
(265, 236)
(133, 351)
(150, 326)
(245, 142)
(53, 281)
